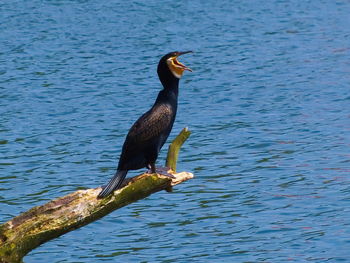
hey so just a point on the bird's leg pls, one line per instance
(153, 168)
(148, 166)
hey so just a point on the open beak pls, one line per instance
(179, 64)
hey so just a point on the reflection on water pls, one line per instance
(267, 105)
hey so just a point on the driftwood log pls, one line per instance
(40, 224)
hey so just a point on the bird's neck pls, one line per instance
(169, 93)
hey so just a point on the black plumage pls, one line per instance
(149, 133)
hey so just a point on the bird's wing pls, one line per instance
(151, 124)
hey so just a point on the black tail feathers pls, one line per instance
(113, 184)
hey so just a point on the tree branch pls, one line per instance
(174, 148)
(40, 224)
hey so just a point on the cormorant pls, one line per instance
(149, 133)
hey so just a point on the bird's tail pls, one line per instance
(113, 184)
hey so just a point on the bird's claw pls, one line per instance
(162, 171)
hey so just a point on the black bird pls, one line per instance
(149, 133)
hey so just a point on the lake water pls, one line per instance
(267, 104)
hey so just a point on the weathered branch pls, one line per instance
(43, 223)
(174, 148)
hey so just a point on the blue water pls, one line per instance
(267, 104)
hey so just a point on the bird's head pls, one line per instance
(170, 64)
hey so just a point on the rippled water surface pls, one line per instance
(268, 105)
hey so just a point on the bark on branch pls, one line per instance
(40, 224)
